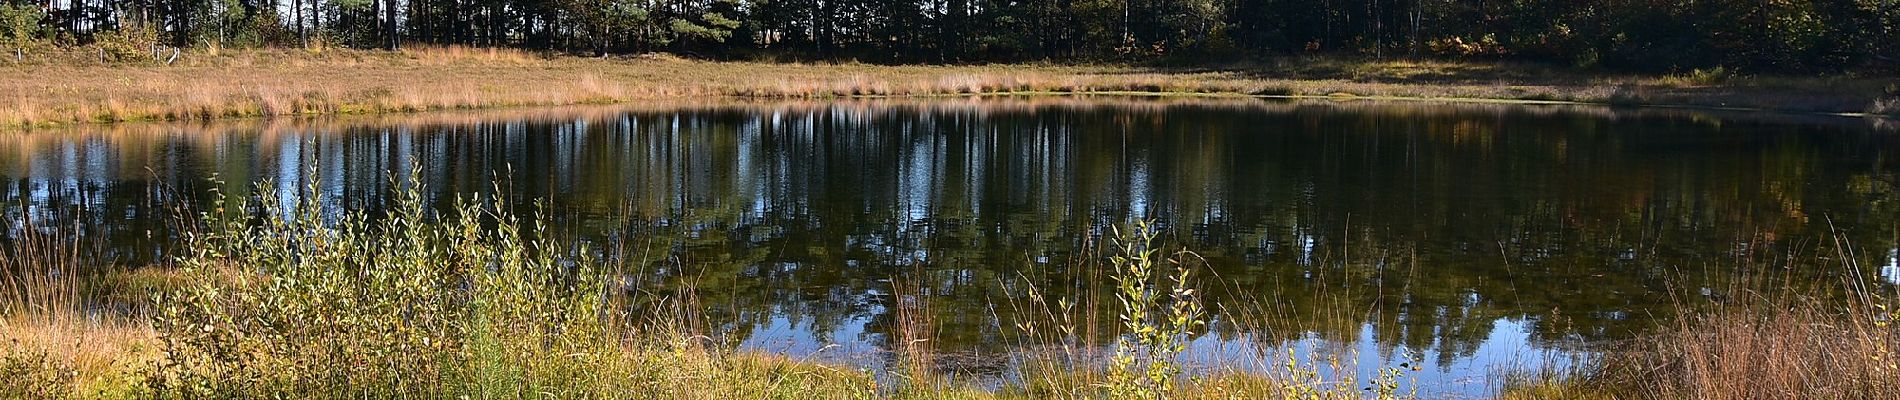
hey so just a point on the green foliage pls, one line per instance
(604, 22)
(710, 27)
(127, 44)
(33, 375)
(1160, 311)
(1457, 46)
(1306, 379)
(20, 25)
(1701, 77)
(284, 300)
(1656, 35)
(411, 304)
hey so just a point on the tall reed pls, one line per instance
(58, 334)
(1771, 334)
(44, 271)
(915, 328)
(38, 292)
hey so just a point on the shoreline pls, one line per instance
(283, 83)
(993, 102)
(1037, 94)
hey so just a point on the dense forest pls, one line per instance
(1656, 35)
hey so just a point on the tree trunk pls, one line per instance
(303, 33)
(390, 30)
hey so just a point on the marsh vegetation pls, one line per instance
(283, 83)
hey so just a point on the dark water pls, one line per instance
(1469, 237)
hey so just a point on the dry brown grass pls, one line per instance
(103, 353)
(1765, 337)
(1802, 351)
(48, 308)
(277, 82)
(20, 143)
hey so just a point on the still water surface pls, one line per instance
(1468, 237)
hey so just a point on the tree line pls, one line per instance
(1750, 35)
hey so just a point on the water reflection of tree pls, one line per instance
(1428, 224)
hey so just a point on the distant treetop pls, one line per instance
(1654, 35)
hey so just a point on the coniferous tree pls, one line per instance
(1658, 35)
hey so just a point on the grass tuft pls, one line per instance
(1764, 337)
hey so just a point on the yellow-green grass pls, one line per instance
(70, 87)
(52, 341)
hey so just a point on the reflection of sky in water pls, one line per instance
(1509, 348)
(1892, 270)
(789, 336)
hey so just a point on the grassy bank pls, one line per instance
(69, 88)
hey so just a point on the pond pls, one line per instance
(1467, 238)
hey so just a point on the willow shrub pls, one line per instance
(288, 301)
(1159, 316)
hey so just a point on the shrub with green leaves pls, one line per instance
(32, 374)
(1160, 311)
(284, 300)
(20, 25)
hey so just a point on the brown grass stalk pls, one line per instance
(1768, 337)
(915, 329)
(49, 287)
(280, 82)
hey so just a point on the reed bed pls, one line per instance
(1765, 335)
(53, 90)
(59, 337)
(1773, 336)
